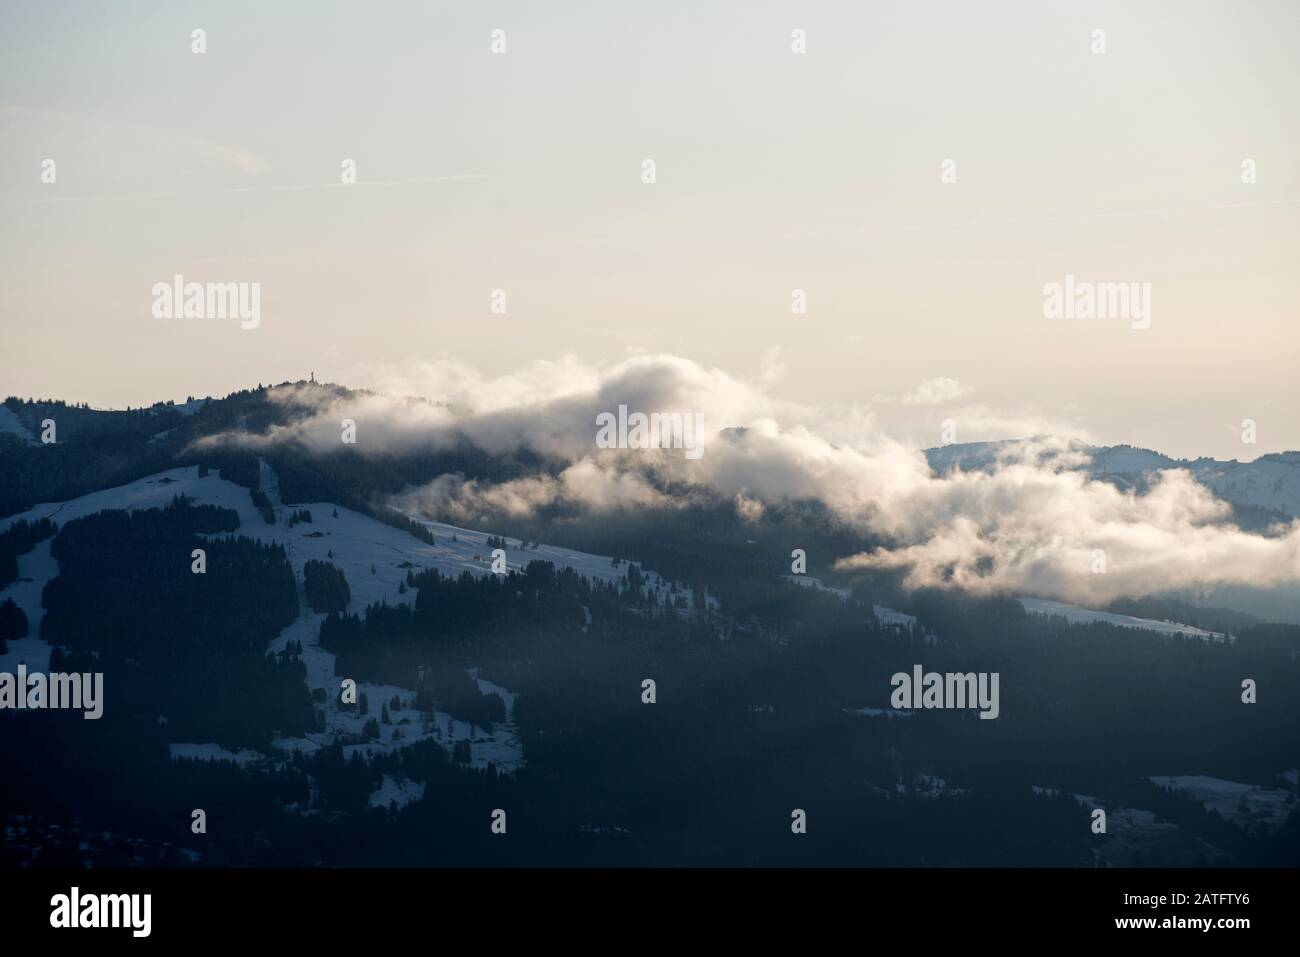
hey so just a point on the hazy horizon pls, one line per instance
(918, 443)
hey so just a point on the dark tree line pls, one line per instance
(326, 586)
(172, 643)
(19, 539)
(13, 623)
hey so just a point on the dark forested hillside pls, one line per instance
(173, 643)
(670, 727)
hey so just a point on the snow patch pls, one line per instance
(1076, 615)
(12, 425)
(1246, 805)
(214, 752)
(396, 790)
(879, 712)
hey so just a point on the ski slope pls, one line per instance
(375, 558)
(1247, 805)
(884, 614)
(11, 424)
(1076, 615)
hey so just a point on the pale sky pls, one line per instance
(522, 171)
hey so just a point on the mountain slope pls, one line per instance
(1270, 481)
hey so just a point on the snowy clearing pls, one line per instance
(1245, 805)
(1076, 615)
(11, 424)
(215, 752)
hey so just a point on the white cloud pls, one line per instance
(585, 484)
(1030, 524)
(1034, 529)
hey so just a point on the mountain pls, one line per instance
(1270, 482)
(632, 686)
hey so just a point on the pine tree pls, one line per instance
(13, 623)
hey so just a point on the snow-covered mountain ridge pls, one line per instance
(1270, 481)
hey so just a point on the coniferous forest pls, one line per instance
(743, 728)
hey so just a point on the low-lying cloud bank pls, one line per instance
(585, 484)
(1030, 529)
(1032, 524)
